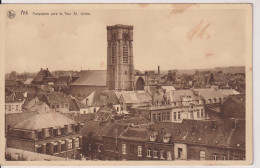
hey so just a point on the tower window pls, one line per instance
(113, 55)
(125, 53)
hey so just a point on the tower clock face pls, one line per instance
(125, 37)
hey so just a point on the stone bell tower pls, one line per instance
(120, 65)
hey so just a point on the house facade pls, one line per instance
(60, 136)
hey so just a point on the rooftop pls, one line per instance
(44, 120)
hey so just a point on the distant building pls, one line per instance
(46, 133)
(58, 102)
(43, 77)
(87, 82)
(176, 106)
(14, 103)
(130, 99)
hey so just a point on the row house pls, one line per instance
(58, 102)
(189, 140)
(43, 77)
(94, 101)
(14, 103)
(210, 95)
(97, 99)
(47, 133)
(181, 104)
(131, 99)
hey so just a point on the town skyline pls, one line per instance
(203, 42)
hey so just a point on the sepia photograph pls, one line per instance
(87, 84)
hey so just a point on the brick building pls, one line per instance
(47, 133)
(189, 140)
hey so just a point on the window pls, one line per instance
(163, 117)
(198, 113)
(202, 113)
(16, 108)
(95, 110)
(62, 105)
(139, 151)
(174, 116)
(132, 148)
(123, 148)
(169, 155)
(77, 143)
(40, 135)
(39, 149)
(149, 152)
(63, 146)
(155, 153)
(55, 147)
(9, 108)
(159, 117)
(215, 157)
(89, 147)
(57, 106)
(53, 106)
(179, 115)
(117, 108)
(179, 153)
(168, 116)
(223, 157)
(154, 117)
(66, 105)
(62, 130)
(125, 53)
(114, 55)
(162, 154)
(70, 144)
(202, 155)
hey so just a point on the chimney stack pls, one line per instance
(159, 70)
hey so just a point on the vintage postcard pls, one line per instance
(120, 84)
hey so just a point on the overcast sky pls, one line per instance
(181, 37)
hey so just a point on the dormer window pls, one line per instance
(153, 136)
(166, 137)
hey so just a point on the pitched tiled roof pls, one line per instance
(15, 97)
(12, 119)
(135, 134)
(44, 120)
(227, 92)
(41, 75)
(28, 81)
(73, 104)
(241, 98)
(168, 88)
(176, 95)
(80, 117)
(134, 120)
(30, 102)
(111, 96)
(40, 107)
(209, 93)
(200, 132)
(91, 78)
(133, 96)
(57, 97)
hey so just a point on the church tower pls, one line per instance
(120, 64)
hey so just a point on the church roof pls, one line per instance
(91, 78)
